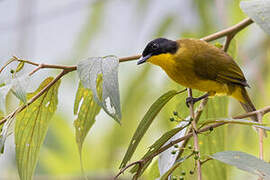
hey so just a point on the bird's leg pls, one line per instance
(194, 100)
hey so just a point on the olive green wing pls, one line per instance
(214, 64)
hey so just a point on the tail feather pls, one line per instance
(248, 106)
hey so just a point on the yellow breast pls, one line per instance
(181, 71)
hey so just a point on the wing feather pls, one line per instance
(214, 64)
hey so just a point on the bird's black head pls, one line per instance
(158, 46)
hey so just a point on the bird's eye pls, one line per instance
(155, 46)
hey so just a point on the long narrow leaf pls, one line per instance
(157, 145)
(145, 124)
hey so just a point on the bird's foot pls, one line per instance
(191, 100)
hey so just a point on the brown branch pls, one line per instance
(263, 111)
(125, 168)
(228, 41)
(231, 30)
(48, 66)
(195, 135)
(198, 114)
(130, 58)
(261, 132)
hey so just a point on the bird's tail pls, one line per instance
(248, 106)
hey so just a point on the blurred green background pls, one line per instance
(64, 32)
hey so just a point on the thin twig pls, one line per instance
(233, 29)
(195, 135)
(259, 115)
(198, 114)
(250, 114)
(208, 159)
(47, 66)
(228, 41)
(128, 166)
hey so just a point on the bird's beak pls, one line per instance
(143, 59)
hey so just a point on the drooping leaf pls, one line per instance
(31, 127)
(6, 130)
(90, 69)
(19, 86)
(258, 11)
(166, 159)
(145, 124)
(244, 162)
(86, 115)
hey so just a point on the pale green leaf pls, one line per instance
(145, 124)
(258, 11)
(166, 159)
(172, 168)
(90, 69)
(3, 93)
(31, 127)
(19, 86)
(86, 115)
(6, 130)
(244, 162)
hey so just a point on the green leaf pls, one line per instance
(31, 127)
(145, 124)
(259, 12)
(90, 69)
(244, 162)
(86, 115)
(19, 67)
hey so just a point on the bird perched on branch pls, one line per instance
(199, 65)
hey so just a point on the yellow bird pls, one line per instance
(199, 65)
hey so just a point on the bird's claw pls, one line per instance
(190, 100)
